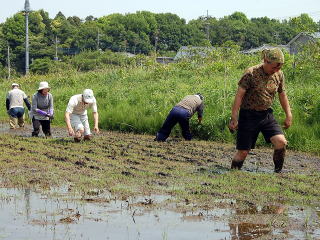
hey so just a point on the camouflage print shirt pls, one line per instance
(260, 88)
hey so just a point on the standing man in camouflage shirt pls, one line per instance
(181, 113)
(256, 92)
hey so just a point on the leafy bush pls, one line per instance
(41, 65)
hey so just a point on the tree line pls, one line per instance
(142, 32)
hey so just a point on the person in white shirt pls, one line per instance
(14, 105)
(76, 115)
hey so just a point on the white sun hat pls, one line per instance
(88, 96)
(43, 85)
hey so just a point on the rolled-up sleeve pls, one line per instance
(94, 106)
(245, 81)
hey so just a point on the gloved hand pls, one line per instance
(50, 114)
(42, 112)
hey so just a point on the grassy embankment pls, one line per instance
(137, 98)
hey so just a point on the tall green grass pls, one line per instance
(137, 97)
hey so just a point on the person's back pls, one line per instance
(77, 106)
(16, 98)
(192, 103)
(14, 104)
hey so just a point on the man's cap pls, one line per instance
(200, 95)
(43, 85)
(88, 96)
(273, 55)
(14, 85)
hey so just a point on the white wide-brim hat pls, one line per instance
(43, 85)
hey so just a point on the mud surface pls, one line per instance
(126, 186)
(259, 160)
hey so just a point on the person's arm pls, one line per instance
(67, 120)
(50, 110)
(96, 122)
(7, 104)
(286, 108)
(233, 125)
(200, 112)
(26, 101)
(34, 104)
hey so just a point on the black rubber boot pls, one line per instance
(278, 159)
(87, 138)
(35, 134)
(236, 164)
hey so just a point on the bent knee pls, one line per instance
(279, 141)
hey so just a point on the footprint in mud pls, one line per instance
(128, 174)
(80, 163)
(162, 174)
(67, 220)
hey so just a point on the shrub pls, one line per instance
(41, 65)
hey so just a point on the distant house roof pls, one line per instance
(314, 35)
(296, 43)
(127, 54)
(187, 52)
(164, 60)
(261, 48)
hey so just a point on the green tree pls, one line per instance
(170, 27)
(75, 21)
(86, 38)
(303, 23)
(114, 31)
(64, 30)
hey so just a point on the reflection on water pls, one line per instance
(29, 215)
(26, 214)
(248, 231)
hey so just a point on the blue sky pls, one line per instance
(187, 9)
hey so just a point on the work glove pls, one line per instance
(43, 113)
(51, 117)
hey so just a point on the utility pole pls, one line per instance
(56, 43)
(208, 26)
(98, 40)
(156, 39)
(27, 11)
(9, 69)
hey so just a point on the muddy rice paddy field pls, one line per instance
(126, 186)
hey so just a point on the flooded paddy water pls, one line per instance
(57, 214)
